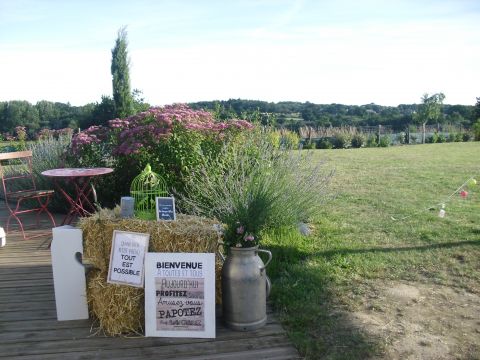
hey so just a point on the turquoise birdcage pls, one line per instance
(144, 189)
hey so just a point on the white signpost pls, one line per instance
(180, 295)
(127, 258)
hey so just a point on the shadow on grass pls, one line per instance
(446, 245)
(305, 295)
(304, 300)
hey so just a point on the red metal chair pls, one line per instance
(20, 192)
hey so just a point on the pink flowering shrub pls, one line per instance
(174, 139)
(45, 134)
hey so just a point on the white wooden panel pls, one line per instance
(68, 274)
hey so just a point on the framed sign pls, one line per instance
(165, 207)
(180, 295)
(127, 258)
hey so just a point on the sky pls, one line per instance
(323, 51)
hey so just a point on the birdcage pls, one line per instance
(144, 189)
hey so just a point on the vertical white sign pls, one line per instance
(180, 295)
(68, 274)
(127, 258)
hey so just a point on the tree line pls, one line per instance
(294, 115)
(57, 115)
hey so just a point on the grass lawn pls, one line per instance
(356, 242)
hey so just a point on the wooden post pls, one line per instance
(423, 133)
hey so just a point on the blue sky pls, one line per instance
(338, 51)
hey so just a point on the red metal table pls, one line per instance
(82, 180)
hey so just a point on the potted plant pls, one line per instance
(253, 186)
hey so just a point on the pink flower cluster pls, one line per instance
(92, 135)
(48, 133)
(241, 234)
(152, 126)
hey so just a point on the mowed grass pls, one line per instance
(356, 240)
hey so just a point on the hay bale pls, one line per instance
(120, 309)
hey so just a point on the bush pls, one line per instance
(290, 139)
(175, 140)
(358, 140)
(402, 138)
(476, 131)
(372, 141)
(466, 136)
(256, 188)
(441, 138)
(324, 144)
(9, 147)
(275, 138)
(309, 145)
(432, 139)
(384, 141)
(340, 141)
(49, 153)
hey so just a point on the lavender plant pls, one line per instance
(256, 187)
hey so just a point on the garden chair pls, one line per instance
(20, 192)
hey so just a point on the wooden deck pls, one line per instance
(29, 328)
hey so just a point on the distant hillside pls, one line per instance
(295, 114)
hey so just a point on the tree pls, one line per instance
(49, 114)
(429, 110)
(100, 113)
(476, 111)
(122, 95)
(139, 103)
(20, 113)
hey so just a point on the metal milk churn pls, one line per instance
(245, 287)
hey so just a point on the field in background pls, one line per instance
(356, 245)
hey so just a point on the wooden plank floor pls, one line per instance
(29, 329)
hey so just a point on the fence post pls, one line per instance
(407, 140)
(379, 133)
(423, 133)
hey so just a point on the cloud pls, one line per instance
(299, 50)
(75, 77)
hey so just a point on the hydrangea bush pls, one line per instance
(174, 139)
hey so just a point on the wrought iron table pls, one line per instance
(82, 181)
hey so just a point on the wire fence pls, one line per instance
(411, 135)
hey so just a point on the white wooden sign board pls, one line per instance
(127, 258)
(180, 295)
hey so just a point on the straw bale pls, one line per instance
(118, 308)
